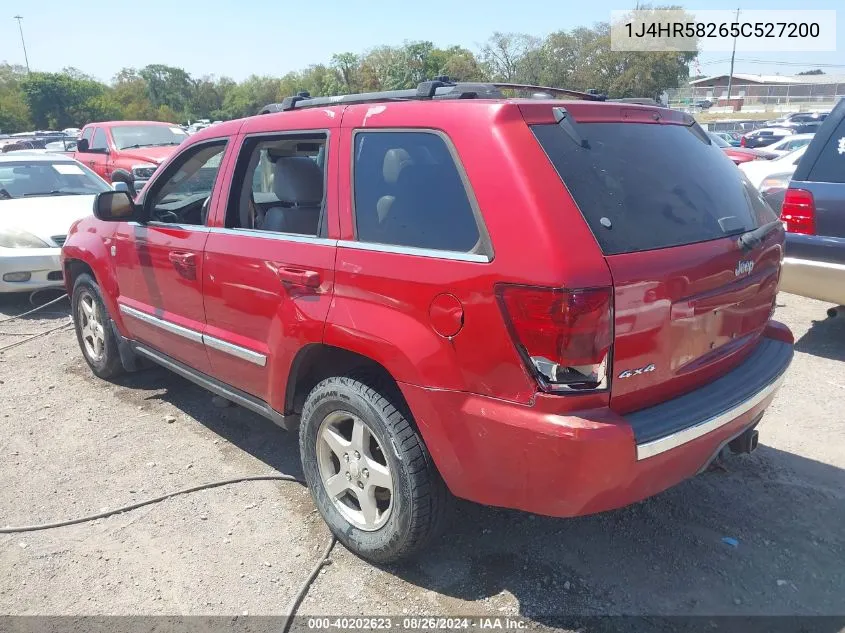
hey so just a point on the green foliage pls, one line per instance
(579, 59)
(14, 111)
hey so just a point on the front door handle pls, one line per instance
(299, 277)
(182, 259)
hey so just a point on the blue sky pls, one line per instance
(239, 38)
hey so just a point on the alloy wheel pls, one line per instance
(91, 326)
(354, 470)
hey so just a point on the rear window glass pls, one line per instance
(830, 165)
(642, 186)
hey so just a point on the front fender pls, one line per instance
(88, 242)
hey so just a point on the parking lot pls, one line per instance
(73, 445)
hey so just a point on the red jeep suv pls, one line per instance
(560, 306)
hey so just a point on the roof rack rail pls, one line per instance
(437, 88)
(590, 95)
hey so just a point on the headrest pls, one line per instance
(298, 180)
(395, 160)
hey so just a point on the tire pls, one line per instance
(123, 176)
(419, 501)
(88, 309)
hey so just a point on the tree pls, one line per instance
(347, 65)
(457, 63)
(59, 100)
(815, 71)
(208, 96)
(167, 85)
(14, 111)
(503, 53)
(248, 97)
(130, 91)
(579, 59)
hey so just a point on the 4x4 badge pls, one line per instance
(636, 372)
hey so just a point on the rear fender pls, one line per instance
(424, 357)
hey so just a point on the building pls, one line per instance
(762, 93)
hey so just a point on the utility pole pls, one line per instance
(20, 28)
(733, 55)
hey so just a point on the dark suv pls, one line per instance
(556, 306)
(813, 213)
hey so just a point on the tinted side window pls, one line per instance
(87, 134)
(830, 165)
(280, 185)
(182, 196)
(408, 192)
(99, 141)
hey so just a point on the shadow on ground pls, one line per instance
(662, 556)
(825, 339)
(17, 303)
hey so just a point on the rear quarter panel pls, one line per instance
(381, 303)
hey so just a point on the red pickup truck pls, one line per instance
(127, 151)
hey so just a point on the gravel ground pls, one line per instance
(73, 445)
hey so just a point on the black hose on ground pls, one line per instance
(41, 307)
(297, 599)
(34, 336)
(303, 590)
(141, 504)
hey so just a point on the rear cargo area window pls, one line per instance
(830, 165)
(645, 186)
(408, 192)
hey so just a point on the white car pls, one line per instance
(759, 170)
(789, 144)
(41, 195)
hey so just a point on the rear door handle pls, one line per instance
(299, 277)
(182, 259)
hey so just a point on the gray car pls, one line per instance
(813, 212)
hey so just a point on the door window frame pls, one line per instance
(240, 158)
(173, 165)
(93, 149)
(90, 134)
(487, 253)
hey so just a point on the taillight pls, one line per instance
(564, 335)
(798, 212)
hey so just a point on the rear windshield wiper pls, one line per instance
(752, 239)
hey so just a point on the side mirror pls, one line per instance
(121, 186)
(116, 206)
(82, 145)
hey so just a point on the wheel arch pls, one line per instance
(91, 258)
(318, 361)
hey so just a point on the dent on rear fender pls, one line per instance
(414, 353)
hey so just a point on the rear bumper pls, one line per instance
(814, 267)
(569, 464)
(824, 281)
(41, 263)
